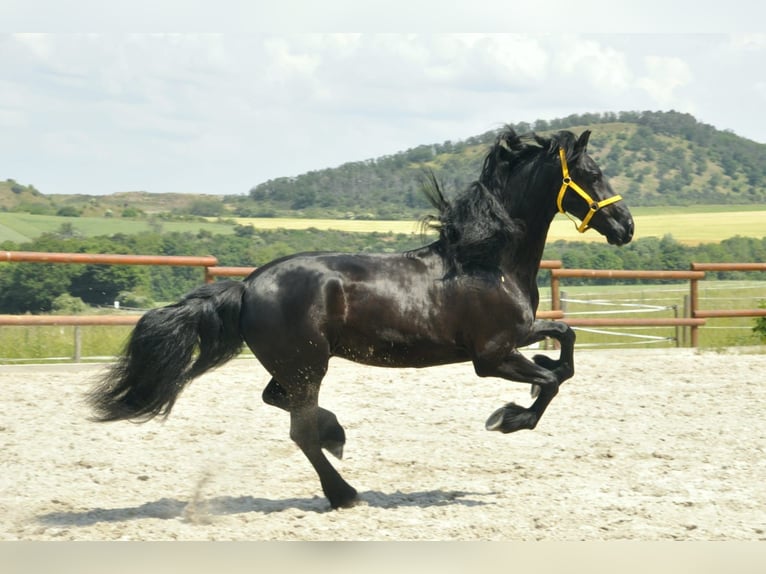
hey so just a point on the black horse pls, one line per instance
(469, 296)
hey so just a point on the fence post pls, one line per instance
(77, 343)
(693, 304)
(555, 292)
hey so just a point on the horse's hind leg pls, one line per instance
(332, 437)
(296, 389)
(304, 430)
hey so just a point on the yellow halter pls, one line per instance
(593, 205)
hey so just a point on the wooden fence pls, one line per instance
(697, 317)
(698, 313)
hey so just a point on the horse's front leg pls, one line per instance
(516, 367)
(563, 333)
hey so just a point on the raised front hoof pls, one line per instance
(511, 418)
(345, 500)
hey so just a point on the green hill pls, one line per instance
(652, 158)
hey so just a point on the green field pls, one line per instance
(662, 301)
(20, 227)
(688, 225)
(20, 344)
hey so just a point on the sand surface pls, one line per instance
(640, 444)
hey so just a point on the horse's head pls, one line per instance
(586, 194)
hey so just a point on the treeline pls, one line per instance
(43, 288)
(47, 287)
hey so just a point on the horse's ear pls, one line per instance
(582, 142)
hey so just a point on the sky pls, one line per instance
(98, 98)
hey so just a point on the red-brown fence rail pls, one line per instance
(107, 259)
(213, 272)
(66, 320)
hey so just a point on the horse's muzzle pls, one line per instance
(622, 233)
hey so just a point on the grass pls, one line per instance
(21, 227)
(669, 301)
(57, 343)
(688, 225)
(349, 225)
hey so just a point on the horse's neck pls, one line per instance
(523, 257)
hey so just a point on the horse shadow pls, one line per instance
(202, 510)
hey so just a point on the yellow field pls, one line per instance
(687, 228)
(690, 228)
(352, 225)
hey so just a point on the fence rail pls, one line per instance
(693, 322)
(696, 317)
(728, 266)
(718, 313)
(107, 259)
(64, 320)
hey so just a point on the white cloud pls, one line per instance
(587, 63)
(223, 112)
(664, 76)
(747, 42)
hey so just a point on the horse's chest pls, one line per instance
(502, 303)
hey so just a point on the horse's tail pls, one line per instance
(158, 360)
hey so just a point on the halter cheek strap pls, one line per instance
(593, 206)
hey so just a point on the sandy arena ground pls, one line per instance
(640, 445)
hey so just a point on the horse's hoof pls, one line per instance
(511, 418)
(346, 501)
(334, 448)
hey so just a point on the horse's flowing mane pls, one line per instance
(477, 225)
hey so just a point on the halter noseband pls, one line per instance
(593, 205)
